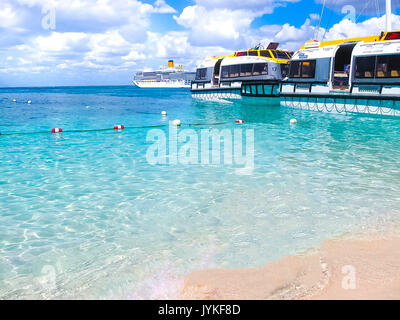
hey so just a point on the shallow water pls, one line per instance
(85, 215)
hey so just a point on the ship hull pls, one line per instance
(161, 84)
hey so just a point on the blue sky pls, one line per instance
(100, 42)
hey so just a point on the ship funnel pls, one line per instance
(170, 64)
(388, 15)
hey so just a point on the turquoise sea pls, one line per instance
(83, 214)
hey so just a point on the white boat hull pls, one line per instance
(336, 105)
(162, 84)
(217, 94)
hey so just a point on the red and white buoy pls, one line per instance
(239, 121)
(119, 127)
(56, 130)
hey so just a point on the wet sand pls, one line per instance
(365, 268)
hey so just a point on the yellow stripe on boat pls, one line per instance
(368, 39)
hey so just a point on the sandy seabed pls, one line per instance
(345, 268)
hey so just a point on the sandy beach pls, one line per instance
(362, 268)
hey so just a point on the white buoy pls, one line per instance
(293, 121)
(87, 107)
(14, 100)
(164, 113)
(29, 101)
(176, 122)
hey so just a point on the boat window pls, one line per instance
(392, 36)
(388, 66)
(308, 69)
(234, 71)
(265, 53)
(365, 67)
(253, 53)
(241, 53)
(201, 74)
(282, 55)
(284, 70)
(245, 70)
(260, 68)
(295, 70)
(149, 74)
(302, 69)
(289, 54)
(225, 72)
(279, 54)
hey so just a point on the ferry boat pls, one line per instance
(242, 73)
(170, 77)
(360, 75)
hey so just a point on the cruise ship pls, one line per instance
(247, 72)
(170, 77)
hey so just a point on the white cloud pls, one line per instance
(167, 45)
(89, 35)
(349, 29)
(215, 27)
(91, 16)
(291, 33)
(8, 16)
(134, 55)
(260, 6)
(161, 7)
(61, 42)
(225, 23)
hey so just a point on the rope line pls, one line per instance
(112, 129)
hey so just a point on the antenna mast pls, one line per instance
(319, 23)
(388, 15)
